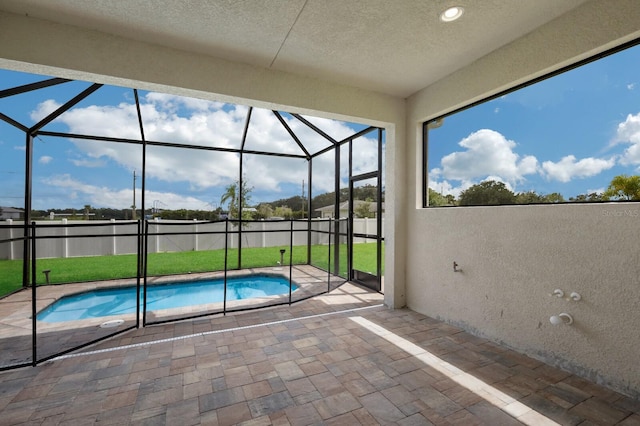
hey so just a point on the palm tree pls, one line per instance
(230, 194)
(235, 198)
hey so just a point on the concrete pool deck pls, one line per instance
(16, 323)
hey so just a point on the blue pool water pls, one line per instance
(122, 300)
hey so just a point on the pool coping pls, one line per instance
(169, 280)
(18, 321)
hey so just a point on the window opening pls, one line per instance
(570, 136)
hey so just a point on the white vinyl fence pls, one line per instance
(107, 239)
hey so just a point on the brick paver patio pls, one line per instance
(338, 359)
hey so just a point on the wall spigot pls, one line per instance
(563, 318)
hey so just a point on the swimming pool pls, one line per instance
(122, 300)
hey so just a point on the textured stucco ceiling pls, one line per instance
(394, 47)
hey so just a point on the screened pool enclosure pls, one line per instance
(170, 189)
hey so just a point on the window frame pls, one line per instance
(562, 70)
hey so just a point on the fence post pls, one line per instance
(226, 255)
(144, 282)
(114, 247)
(65, 240)
(157, 231)
(290, 259)
(195, 239)
(366, 228)
(329, 259)
(10, 223)
(34, 330)
(264, 234)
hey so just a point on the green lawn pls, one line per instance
(79, 269)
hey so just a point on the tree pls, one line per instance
(624, 187)
(487, 193)
(593, 196)
(215, 214)
(363, 192)
(264, 211)
(363, 210)
(283, 211)
(295, 203)
(532, 197)
(554, 197)
(529, 197)
(437, 199)
(234, 198)
(451, 199)
(230, 196)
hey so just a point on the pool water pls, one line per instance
(122, 300)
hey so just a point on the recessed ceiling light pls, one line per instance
(451, 14)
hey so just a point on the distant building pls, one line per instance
(11, 213)
(327, 211)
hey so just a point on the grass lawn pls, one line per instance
(95, 268)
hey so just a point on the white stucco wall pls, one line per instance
(514, 257)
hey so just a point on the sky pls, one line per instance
(71, 173)
(569, 134)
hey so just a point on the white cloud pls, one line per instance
(488, 153)
(631, 86)
(88, 163)
(499, 179)
(20, 148)
(445, 187)
(490, 156)
(45, 159)
(173, 102)
(169, 118)
(44, 109)
(568, 168)
(595, 190)
(102, 196)
(629, 132)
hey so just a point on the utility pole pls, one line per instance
(303, 198)
(133, 206)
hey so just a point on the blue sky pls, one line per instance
(73, 173)
(569, 134)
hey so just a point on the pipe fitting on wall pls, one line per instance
(563, 318)
(575, 296)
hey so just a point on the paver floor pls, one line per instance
(338, 359)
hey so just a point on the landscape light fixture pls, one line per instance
(451, 14)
